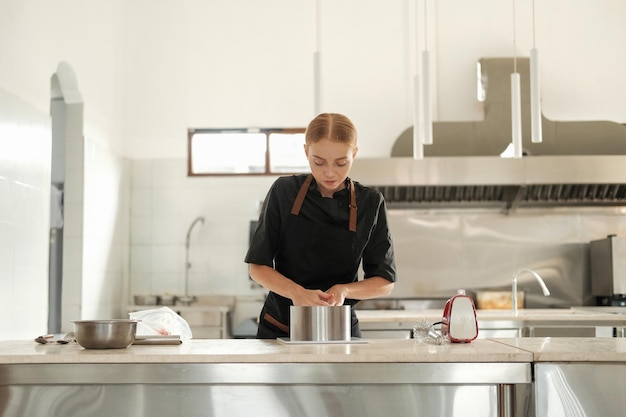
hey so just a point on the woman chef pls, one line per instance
(316, 229)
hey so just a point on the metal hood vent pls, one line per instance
(494, 182)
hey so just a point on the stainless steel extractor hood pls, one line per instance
(581, 163)
(489, 181)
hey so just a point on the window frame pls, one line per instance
(266, 131)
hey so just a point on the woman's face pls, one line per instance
(330, 163)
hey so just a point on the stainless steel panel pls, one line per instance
(295, 389)
(438, 171)
(440, 252)
(506, 183)
(491, 170)
(263, 373)
(441, 247)
(249, 400)
(574, 169)
(608, 266)
(601, 267)
(578, 390)
(619, 265)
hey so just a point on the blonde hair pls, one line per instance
(333, 126)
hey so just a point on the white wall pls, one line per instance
(25, 155)
(250, 63)
(164, 204)
(35, 35)
(106, 234)
(149, 70)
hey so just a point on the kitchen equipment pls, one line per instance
(146, 300)
(498, 300)
(49, 338)
(424, 331)
(608, 270)
(167, 300)
(459, 322)
(320, 323)
(105, 334)
(157, 340)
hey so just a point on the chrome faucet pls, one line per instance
(186, 299)
(544, 288)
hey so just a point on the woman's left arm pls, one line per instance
(379, 265)
(361, 290)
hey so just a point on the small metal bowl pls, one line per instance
(105, 334)
(146, 300)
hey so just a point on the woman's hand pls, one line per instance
(338, 293)
(312, 298)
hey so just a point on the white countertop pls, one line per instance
(527, 349)
(375, 350)
(266, 351)
(571, 349)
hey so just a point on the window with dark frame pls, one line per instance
(275, 151)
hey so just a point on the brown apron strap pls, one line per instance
(301, 194)
(297, 204)
(352, 227)
(276, 323)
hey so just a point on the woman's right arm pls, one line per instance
(276, 282)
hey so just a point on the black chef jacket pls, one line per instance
(371, 245)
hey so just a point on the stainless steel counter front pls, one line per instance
(564, 389)
(261, 389)
(577, 376)
(262, 373)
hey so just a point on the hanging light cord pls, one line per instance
(514, 41)
(534, 47)
(425, 26)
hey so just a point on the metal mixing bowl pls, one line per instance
(105, 334)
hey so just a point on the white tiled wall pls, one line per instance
(25, 154)
(164, 203)
(104, 282)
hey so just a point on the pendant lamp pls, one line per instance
(427, 116)
(516, 100)
(535, 94)
(317, 61)
(418, 144)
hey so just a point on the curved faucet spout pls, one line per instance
(544, 288)
(187, 263)
(198, 219)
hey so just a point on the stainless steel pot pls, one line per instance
(105, 334)
(319, 323)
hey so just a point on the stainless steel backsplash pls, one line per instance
(440, 251)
